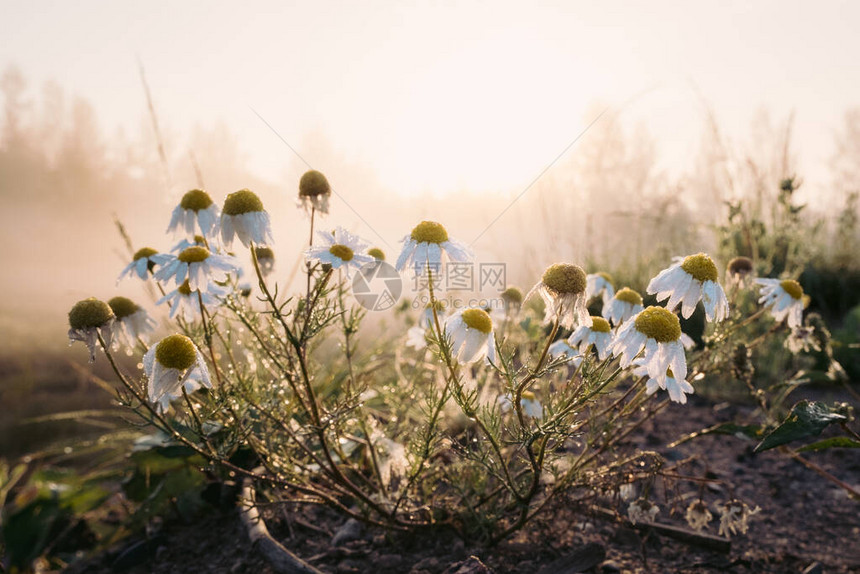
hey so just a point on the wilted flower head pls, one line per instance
(734, 517)
(562, 289)
(599, 284)
(625, 304)
(265, 259)
(512, 298)
(87, 320)
(740, 272)
(802, 339)
(340, 249)
(376, 253)
(142, 262)
(314, 192)
(598, 334)
(658, 332)
(642, 510)
(688, 281)
(471, 335)
(785, 299)
(195, 207)
(698, 516)
(198, 265)
(134, 321)
(244, 216)
(171, 363)
(423, 248)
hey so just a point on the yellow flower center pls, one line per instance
(123, 307)
(342, 252)
(528, 395)
(701, 267)
(313, 183)
(565, 278)
(659, 323)
(184, 289)
(242, 201)
(89, 313)
(512, 295)
(194, 254)
(600, 325)
(376, 253)
(793, 288)
(264, 253)
(176, 352)
(740, 266)
(195, 200)
(478, 319)
(143, 252)
(628, 295)
(606, 276)
(430, 232)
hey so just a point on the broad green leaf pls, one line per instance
(806, 419)
(836, 442)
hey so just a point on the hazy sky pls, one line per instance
(446, 96)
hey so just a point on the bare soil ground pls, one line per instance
(806, 524)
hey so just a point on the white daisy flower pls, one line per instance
(87, 320)
(471, 335)
(142, 263)
(561, 349)
(196, 207)
(416, 337)
(599, 284)
(424, 247)
(642, 510)
(170, 364)
(186, 302)
(598, 334)
(734, 517)
(785, 299)
(134, 322)
(688, 281)
(740, 272)
(243, 216)
(530, 404)
(314, 192)
(678, 390)
(265, 259)
(426, 321)
(802, 339)
(340, 249)
(658, 332)
(198, 265)
(625, 304)
(562, 289)
(698, 516)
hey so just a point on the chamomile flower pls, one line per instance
(678, 390)
(185, 243)
(376, 253)
(196, 207)
(599, 334)
(698, 516)
(530, 404)
(512, 297)
(740, 272)
(424, 247)
(171, 363)
(785, 299)
(87, 320)
(471, 335)
(734, 517)
(185, 301)
(658, 331)
(625, 304)
(599, 284)
(265, 259)
(425, 320)
(142, 263)
(133, 320)
(562, 289)
(340, 249)
(688, 281)
(243, 216)
(314, 192)
(198, 265)
(416, 337)
(802, 339)
(562, 349)
(642, 510)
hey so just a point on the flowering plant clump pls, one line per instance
(476, 420)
